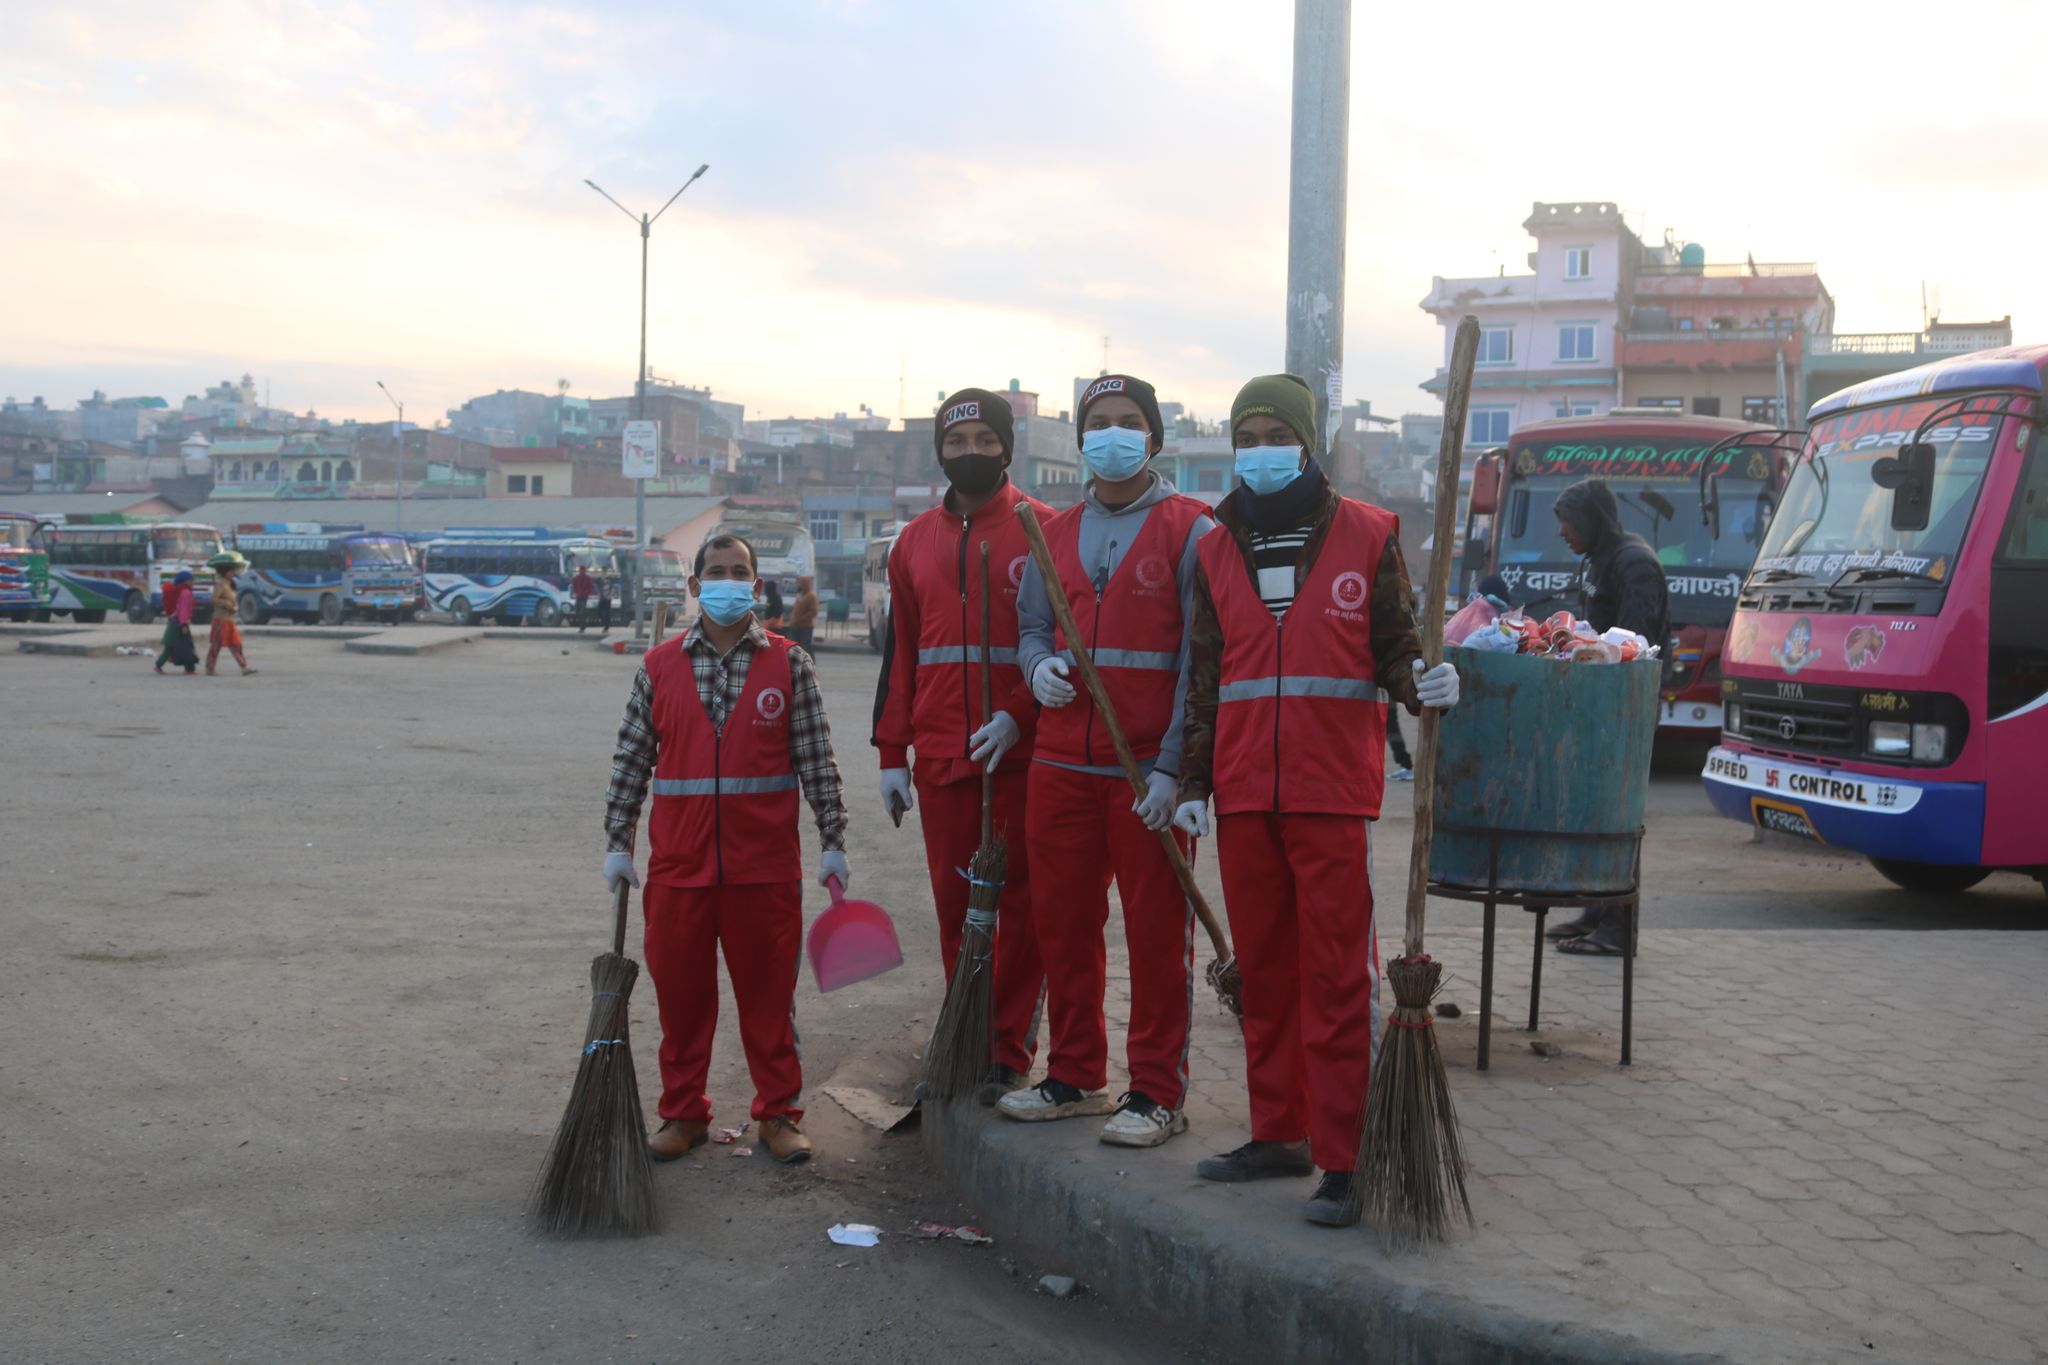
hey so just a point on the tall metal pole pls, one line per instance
(398, 431)
(640, 485)
(1315, 217)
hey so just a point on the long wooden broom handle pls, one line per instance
(988, 713)
(1092, 680)
(623, 893)
(1450, 455)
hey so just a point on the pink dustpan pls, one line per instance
(852, 941)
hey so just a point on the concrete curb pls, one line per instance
(87, 649)
(288, 632)
(410, 643)
(1271, 1298)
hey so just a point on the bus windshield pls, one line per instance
(185, 542)
(378, 550)
(1837, 516)
(596, 558)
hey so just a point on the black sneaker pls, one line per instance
(999, 1082)
(1330, 1205)
(1257, 1161)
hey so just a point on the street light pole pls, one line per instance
(1316, 202)
(398, 430)
(646, 223)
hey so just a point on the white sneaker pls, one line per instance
(1401, 775)
(1051, 1099)
(1142, 1123)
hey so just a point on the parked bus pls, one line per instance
(663, 574)
(510, 575)
(312, 571)
(1887, 672)
(97, 568)
(874, 589)
(782, 545)
(24, 569)
(1656, 464)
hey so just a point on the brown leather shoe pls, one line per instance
(677, 1136)
(785, 1141)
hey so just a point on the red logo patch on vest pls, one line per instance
(1153, 572)
(1348, 591)
(1017, 572)
(771, 703)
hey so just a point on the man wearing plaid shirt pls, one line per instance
(725, 724)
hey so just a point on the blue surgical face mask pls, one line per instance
(1268, 469)
(1116, 453)
(725, 600)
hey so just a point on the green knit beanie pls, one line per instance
(1285, 396)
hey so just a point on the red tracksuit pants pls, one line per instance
(951, 816)
(1299, 893)
(1083, 832)
(761, 928)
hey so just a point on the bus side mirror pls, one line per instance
(1486, 486)
(1910, 476)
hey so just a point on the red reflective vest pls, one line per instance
(1300, 720)
(1132, 628)
(929, 696)
(725, 804)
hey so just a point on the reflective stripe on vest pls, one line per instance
(966, 654)
(1130, 658)
(1295, 685)
(723, 786)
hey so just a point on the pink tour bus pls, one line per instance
(1885, 680)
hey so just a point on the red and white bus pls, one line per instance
(1886, 675)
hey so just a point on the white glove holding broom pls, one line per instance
(1155, 807)
(1438, 687)
(618, 867)
(1192, 818)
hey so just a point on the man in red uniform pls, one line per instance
(929, 700)
(1304, 630)
(727, 721)
(1126, 559)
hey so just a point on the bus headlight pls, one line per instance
(1930, 743)
(1731, 717)
(1889, 738)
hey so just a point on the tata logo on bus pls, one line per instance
(771, 704)
(1348, 592)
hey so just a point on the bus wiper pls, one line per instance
(1774, 575)
(1866, 572)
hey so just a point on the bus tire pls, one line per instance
(330, 609)
(546, 613)
(460, 612)
(250, 612)
(41, 615)
(1934, 878)
(90, 618)
(138, 610)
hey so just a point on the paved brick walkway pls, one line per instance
(1832, 1143)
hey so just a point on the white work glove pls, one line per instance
(1193, 818)
(618, 867)
(833, 864)
(1155, 807)
(1049, 682)
(987, 745)
(1438, 687)
(896, 784)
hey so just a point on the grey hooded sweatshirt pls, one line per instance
(1105, 536)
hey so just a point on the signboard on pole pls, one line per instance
(640, 450)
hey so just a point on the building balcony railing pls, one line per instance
(1944, 342)
(1709, 334)
(1731, 270)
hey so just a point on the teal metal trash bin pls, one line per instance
(1552, 757)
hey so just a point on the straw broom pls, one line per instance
(1223, 974)
(598, 1179)
(963, 1038)
(1410, 1159)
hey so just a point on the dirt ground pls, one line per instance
(296, 971)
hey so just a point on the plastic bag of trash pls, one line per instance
(1474, 615)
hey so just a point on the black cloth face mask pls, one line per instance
(974, 476)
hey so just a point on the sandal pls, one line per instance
(1592, 946)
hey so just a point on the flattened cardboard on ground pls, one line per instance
(872, 1109)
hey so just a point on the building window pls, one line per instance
(235, 472)
(825, 527)
(1577, 407)
(1496, 345)
(327, 471)
(1575, 341)
(345, 472)
(1578, 263)
(1706, 407)
(1764, 409)
(1208, 481)
(1671, 404)
(538, 480)
(1490, 425)
(307, 473)
(515, 483)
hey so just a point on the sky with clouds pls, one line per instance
(328, 194)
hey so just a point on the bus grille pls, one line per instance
(1805, 726)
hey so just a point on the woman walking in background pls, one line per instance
(227, 603)
(178, 625)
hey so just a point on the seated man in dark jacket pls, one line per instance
(1624, 586)
(1624, 583)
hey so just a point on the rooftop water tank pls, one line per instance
(1692, 255)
